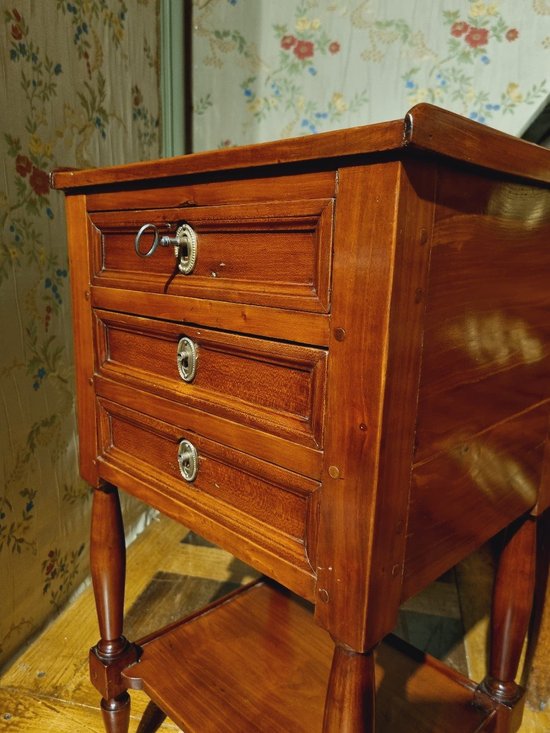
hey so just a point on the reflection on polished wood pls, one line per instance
(47, 688)
(372, 400)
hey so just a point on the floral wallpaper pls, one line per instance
(290, 67)
(79, 87)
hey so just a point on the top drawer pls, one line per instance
(271, 253)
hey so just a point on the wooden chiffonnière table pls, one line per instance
(331, 356)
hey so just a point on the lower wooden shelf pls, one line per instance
(256, 661)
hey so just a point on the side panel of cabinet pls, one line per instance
(484, 401)
(80, 275)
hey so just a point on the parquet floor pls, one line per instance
(46, 689)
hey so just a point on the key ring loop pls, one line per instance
(153, 247)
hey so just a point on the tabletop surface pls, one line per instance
(425, 127)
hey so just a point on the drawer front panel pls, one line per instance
(276, 254)
(274, 386)
(274, 506)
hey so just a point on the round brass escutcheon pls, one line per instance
(187, 359)
(334, 472)
(188, 460)
(185, 245)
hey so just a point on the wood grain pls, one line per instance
(487, 339)
(203, 191)
(262, 512)
(47, 688)
(262, 491)
(357, 361)
(408, 284)
(440, 131)
(306, 328)
(268, 253)
(350, 700)
(274, 386)
(489, 479)
(483, 405)
(32, 714)
(511, 610)
(292, 659)
(373, 382)
(425, 127)
(376, 138)
(80, 267)
(288, 454)
(413, 227)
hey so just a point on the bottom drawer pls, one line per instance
(232, 493)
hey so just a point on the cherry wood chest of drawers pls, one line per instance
(330, 356)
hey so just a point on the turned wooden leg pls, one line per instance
(152, 719)
(108, 566)
(349, 705)
(116, 713)
(511, 613)
(537, 661)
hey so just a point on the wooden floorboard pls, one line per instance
(31, 714)
(47, 686)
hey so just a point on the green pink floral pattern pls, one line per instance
(91, 101)
(293, 68)
(475, 38)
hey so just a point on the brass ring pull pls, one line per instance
(188, 460)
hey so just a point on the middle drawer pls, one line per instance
(273, 386)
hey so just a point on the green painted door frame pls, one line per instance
(172, 77)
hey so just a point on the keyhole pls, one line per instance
(187, 359)
(188, 460)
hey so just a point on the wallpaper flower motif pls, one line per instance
(294, 68)
(472, 40)
(70, 103)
